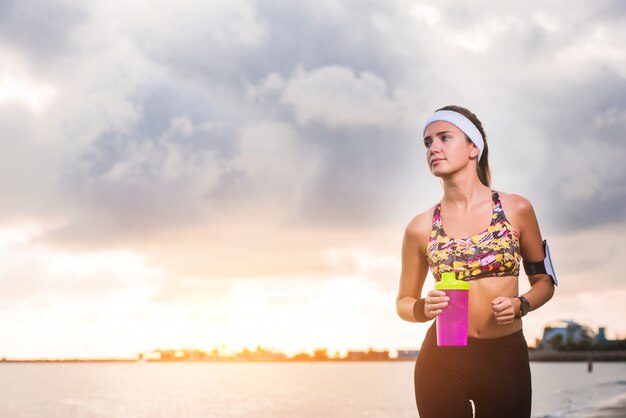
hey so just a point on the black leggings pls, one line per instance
(493, 373)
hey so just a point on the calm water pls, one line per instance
(266, 390)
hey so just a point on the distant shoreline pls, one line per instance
(534, 356)
(597, 355)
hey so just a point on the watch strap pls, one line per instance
(524, 307)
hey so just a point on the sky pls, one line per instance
(231, 174)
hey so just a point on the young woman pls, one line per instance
(481, 235)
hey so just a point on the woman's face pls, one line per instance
(447, 148)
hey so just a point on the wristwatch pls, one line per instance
(523, 308)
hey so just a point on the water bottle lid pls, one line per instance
(449, 282)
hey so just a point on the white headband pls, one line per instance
(460, 122)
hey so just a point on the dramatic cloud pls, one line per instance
(223, 151)
(337, 97)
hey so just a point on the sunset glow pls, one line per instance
(193, 178)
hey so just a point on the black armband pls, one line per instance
(418, 311)
(542, 267)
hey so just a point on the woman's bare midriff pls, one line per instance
(482, 323)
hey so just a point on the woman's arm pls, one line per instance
(542, 288)
(414, 270)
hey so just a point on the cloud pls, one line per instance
(43, 29)
(130, 185)
(269, 155)
(35, 96)
(38, 276)
(343, 106)
(338, 97)
(220, 139)
(197, 39)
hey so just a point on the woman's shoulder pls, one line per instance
(421, 224)
(514, 200)
(517, 208)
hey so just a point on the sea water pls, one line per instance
(263, 390)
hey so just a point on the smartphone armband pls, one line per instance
(542, 267)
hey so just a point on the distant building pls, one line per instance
(602, 342)
(407, 354)
(301, 357)
(176, 355)
(569, 335)
(259, 354)
(370, 355)
(321, 355)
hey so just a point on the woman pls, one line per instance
(479, 234)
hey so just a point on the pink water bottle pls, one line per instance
(452, 322)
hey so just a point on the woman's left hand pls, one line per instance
(503, 310)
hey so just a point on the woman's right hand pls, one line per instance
(434, 303)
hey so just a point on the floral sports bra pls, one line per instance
(493, 252)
